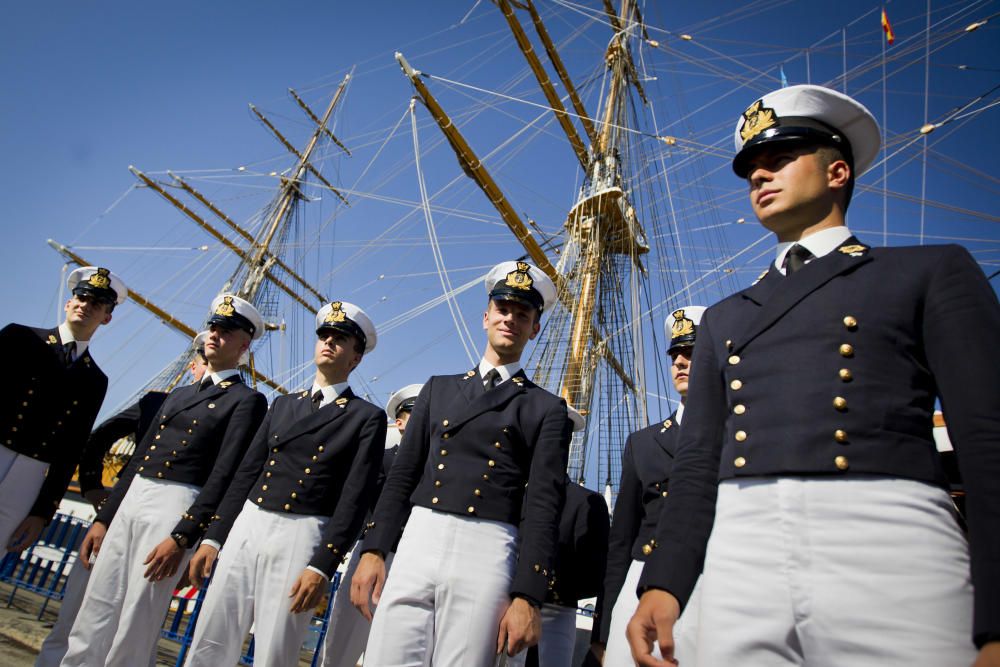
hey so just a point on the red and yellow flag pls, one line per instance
(890, 36)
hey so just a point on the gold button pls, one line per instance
(492, 463)
(736, 385)
(845, 374)
(308, 470)
(162, 426)
(840, 403)
(157, 437)
(445, 436)
(847, 350)
(478, 492)
(471, 509)
(264, 487)
(740, 462)
(260, 500)
(538, 568)
(850, 323)
(497, 445)
(294, 495)
(841, 462)
(274, 449)
(440, 466)
(734, 359)
(437, 482)
(485, 476)
(315, 458)
(434, 500)
(320, 448)
(664, 494)
(840, 435)
(739, 409)
(160, 475)
(444, 422)
(141, 468)
(741, 436)
(145, 458)
(646, 549)
(287, 507)
(166, 463)
(152, 448)
(444, 452)
(267, 474)
(271, 462)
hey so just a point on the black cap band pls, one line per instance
(406, 406)
(529, 297)
(84, 288)
(348, 326)
(798, 129)
(234, 321)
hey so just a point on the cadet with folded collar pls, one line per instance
(473, 443)
(166, 497)
(49, 400)
(294, 508)
(580, 562)
(807, 485)
(134, 420)
(643, 489)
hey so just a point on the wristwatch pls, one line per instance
(181, 539)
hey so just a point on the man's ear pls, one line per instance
(838, 174)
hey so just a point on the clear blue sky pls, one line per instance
(90, 88)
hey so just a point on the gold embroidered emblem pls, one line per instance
(336, 313)
(519, 278)
(100, 280)
(666, 424)
(853, 250)
(517, 379)
(303, 394)
(756, 119)
(341, 402)
(469, 375)
(682, 326)
(226, 308)
(53, 340)
(225, 384)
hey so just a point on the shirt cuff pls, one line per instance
(318, 571)
(212, 543)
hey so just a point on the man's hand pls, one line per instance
(163, 561)
(26, 533)
(367, 583)
(653, 621)
(96, 497)
(91, 545)
(201, 563)
(989, 655)
(520, 627)
(307, 591)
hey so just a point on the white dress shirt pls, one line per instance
(821, 243)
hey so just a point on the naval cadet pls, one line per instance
(806, 482)
(580, 561)
(135, 421)
(347, 632)
(643, 489)
(478, 447)
(166, 497)
(48, 403)
(294, 508)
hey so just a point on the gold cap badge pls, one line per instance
(100, 279)
(336, 313)
(519, 278)
(756, 119)
(226, 308)
(682, 326)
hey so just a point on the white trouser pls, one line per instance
(119, 621)
(21, 478)
(861, 571)
(618, 653)
(555, 648)
(54, 647)
(347, 631)
(262, 559)
(451, 574)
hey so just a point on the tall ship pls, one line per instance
(592, 139)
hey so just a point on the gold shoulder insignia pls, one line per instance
(853, 250)
(226, 308)
(100, 280)
(517, 379)
(305, 392)
(682, 326)
(469, 375)
(756, 119)
(666, 424)
(225, 384)
(519, 278)
(336, 313)
(760, 277)
(341, 402)
(53, 340)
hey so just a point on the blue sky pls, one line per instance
(90, 88)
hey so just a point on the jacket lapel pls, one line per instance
(310, 421)
(471, 385)
(487, 400)
(666, 435)
(779, 294)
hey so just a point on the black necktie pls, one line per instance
(796, 258)
(69, 352)
(206, 383)
(492, 379)
(317, 398)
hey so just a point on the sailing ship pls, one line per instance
(613, 182)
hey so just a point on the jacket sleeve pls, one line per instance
(242, 426)
(961, 327)
(244, 479)
(393, 507)
(686, 519)
(543, 502)
(624, 530)
(355, 498)
(106, 434)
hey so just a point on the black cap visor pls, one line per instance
(529, 297)
(804, 131)
(231, 322)
(106, 296)
(348, 327)
(686, 341)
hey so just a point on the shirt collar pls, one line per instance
(506, 371)
(679, 414)
(66, 335)
(821, 243)
(219, 376)
(330, 391)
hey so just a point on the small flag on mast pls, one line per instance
(890, 36)
(784, 79)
